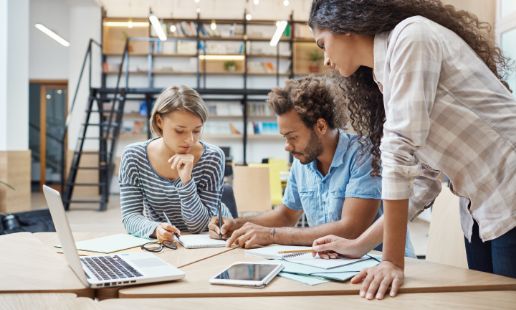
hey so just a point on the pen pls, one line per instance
(220, 220)
(175, 233)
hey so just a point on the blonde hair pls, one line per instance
(177, 98)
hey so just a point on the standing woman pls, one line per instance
(425, 83)
(176, 174)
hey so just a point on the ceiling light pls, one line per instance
(256, 2)
(248, 16)
(286, 2)
(173, 28)
(198, 10)
(197, 1)
(156, 25)
(52, 34)
(280, 27)
(213, 25)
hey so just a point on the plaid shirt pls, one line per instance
(446, 112)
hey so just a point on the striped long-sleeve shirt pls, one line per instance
(144, 195)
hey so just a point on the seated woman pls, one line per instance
(175, 173)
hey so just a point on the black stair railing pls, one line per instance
(109, 123)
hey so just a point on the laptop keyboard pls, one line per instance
(110, 267)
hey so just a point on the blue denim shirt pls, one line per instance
(320, 197)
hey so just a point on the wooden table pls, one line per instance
(421, 277)
(179, 258)
(47, 301)
(458, 300)
(29, 266)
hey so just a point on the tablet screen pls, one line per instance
(251, 272)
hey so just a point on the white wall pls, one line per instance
(267, 9)
(3, 74)
(14, 71)
(49, 59)
(84, 23)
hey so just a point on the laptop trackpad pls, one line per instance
(150, 265)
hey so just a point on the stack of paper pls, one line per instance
(306, 268)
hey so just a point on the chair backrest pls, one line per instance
(276, 166)
(445, 236)
(228, 198)
(251, 188)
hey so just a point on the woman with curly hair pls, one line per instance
(425, 83)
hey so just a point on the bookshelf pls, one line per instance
(234, 54)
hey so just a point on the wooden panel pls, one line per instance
(445, 237)
(15, 170)
(251, 188)
(485, 10)
(302, 58)
(464, 300)
(28, 265)
(46, 301)
(113, 40)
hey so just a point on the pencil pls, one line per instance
(296, 251)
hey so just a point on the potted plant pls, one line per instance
(230, 66)
(315, 57)
(3, 194)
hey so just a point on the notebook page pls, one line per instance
(271, 252)
(201, 241)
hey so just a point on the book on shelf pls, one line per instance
(221, 47)
(259, 109)
(221, 31)
(224, 109)
(264, 48)
(265, 128)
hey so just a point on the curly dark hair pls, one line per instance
(312, 97)
(370, 17)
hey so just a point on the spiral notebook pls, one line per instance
(200, 241)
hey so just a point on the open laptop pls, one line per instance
(107, 270)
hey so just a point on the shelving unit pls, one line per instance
(235, 56)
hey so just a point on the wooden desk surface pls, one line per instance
(29, 266)
(179, 258)
(47, 301)
(421, 277)
(457, 300)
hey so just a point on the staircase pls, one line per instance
(108, 105)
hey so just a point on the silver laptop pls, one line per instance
(107, 270)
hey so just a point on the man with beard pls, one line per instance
(330, 179)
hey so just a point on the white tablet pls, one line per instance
(256, 274)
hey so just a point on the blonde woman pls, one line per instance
(175, 174)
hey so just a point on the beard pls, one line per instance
(312, 151)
